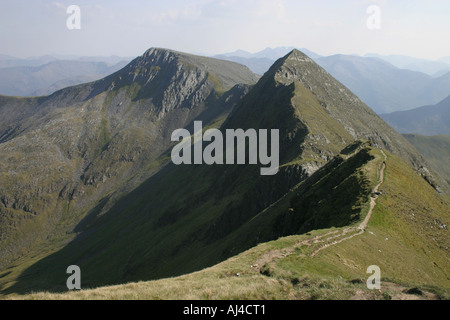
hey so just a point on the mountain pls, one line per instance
(384, 87)
(261, 61)
(9, 61)
(273, 53)
(111, 60)
(436, 150)
(406, 237)
(96, 188)
(4, 57)
(428, 120)
(268, 53)
(256, 65)
(445, 59)
(48, 78)
(429, 67)
(237, 53)
(83, 147)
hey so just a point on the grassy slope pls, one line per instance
(403, 238)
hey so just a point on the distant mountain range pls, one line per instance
(50, 77)
(432, 68)
(429, 67)
(428, 120)
(445, 60)
(270, 53)
(384, 87)
(7, 61)
(44, 75)
(261, 61)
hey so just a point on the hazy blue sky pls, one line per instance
(419, 28)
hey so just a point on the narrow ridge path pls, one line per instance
(362, 227)
(335, 236)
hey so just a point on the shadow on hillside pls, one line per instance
(95, 233)
(49, 273)
(112, 248)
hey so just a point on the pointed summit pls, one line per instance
(298, 66)
(294, 61)
(297, 55)
(328, 113)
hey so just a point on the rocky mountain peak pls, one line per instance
(292, 67)
(159, 69)
(297, 56)
(157, 58)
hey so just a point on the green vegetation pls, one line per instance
(409, 253)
